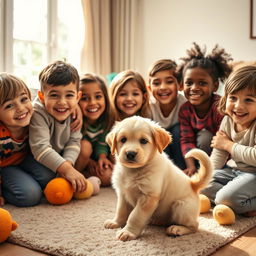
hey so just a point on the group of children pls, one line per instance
(40, 141)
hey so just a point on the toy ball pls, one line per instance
(223, 214)
(205, 204)
(58, 191)
(86, 193)
(96, 184)
(6, 224)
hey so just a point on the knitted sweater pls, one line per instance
(12, 151)
(52, 142)
(96, 134)
(243, 155)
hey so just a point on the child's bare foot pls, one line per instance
(250, 214)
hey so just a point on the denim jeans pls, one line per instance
(23, 184)
(173, 150)
(233, 188)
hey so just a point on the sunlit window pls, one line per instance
(42, 31)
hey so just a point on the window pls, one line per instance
(36, 32)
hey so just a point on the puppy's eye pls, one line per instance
(143, 141)
(123, 140)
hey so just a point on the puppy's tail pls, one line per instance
(201, 179)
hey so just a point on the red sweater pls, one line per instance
(191, 124)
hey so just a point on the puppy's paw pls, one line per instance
(176, 230)
(125, 235)
(111, 224)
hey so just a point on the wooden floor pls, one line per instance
(242, 246)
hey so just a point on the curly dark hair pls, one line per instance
(216, 63)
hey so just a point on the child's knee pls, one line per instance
(86, 149)
(204, 138)
(26, 197)
(231, 200)
(33, 198)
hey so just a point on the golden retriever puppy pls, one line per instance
(149, 187)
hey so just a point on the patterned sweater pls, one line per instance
(12, 151)
(191, 124)
(96, 134)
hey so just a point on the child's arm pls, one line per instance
(222, 145)
(104, 162)
(191, 167)
(102, 151)
(77, 122)
(187, 139)
(77, 180)
(222, 141)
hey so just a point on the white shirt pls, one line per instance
(172, 119)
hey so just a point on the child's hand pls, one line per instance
(93, 168)
(191, 168)
(190, 171)
(222, 141)
(77, 180)
(77, 117)
(104, 162)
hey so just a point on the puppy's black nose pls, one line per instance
(131, 155)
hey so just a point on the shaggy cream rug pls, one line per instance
(76, 229)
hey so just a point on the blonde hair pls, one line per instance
(117, 85)
(10, 87)
(239, 79)
(107, 116)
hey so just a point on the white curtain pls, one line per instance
(110, 35)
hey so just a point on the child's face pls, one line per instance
(129, 99)
(16, 113)
(60, 101)
(241, 107)
(92, 102)
(198, 86)
(164, 87)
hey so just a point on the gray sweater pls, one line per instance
(52, 142)
(243, 155)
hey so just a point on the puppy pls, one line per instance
(149, 187)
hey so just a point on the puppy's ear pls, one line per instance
(111, 140)
(162, 138)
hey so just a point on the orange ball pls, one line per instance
(86, 193)
(58, 191)
(205, 204)
(223, 214)
(7, 225)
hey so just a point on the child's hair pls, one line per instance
(58, 73)
(162, 65)
(10, 87)
(107, 116)
(239, 79)
(120, 81)
(215, 63)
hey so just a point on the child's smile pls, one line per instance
(241, 107)
(92, 102)
(164, 87)
(198, 86)
(129, 99)
(17, 112)
(60, 101)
